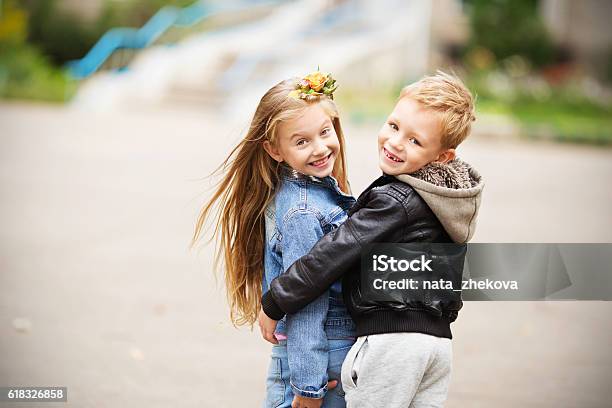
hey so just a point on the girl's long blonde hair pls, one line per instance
(249, 180)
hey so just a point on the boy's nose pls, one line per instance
(396, 143)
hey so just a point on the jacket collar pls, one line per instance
(288, 173)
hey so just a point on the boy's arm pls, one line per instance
(331, 257)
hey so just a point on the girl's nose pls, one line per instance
(319, 148)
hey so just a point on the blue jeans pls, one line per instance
(278, 390)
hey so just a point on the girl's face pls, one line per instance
(308, 143)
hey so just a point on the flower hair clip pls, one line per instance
(313, 85)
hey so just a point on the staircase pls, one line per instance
(229, 68)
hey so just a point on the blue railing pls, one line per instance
(132, 38)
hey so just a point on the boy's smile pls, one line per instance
(410, 139)
(391, 156)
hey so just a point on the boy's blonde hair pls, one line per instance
(447, 95)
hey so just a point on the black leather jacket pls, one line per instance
(388, 211)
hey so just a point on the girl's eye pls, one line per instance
(325, 131)
(414, 141)
(301, 142)
(393, 126)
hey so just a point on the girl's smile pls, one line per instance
(322, 162)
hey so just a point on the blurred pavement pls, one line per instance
(97, 212)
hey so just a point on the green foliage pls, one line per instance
(60, 35)
(510, 27)
(64, 36)
(37, 38)
(508, 44)
(26, 74)
(13, 24)
(564, 113)
(607, 74)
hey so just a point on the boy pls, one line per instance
(403, 354)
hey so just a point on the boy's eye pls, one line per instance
(393, 126)
(414, 141)
(301, 142)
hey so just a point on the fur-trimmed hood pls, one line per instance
(453, 192)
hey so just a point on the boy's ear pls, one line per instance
(446, 156)
(272, 151)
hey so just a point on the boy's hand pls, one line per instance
(267, 327)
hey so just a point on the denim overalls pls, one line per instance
(314, 341)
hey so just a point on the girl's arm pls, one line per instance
(307, 347)
(332, 256)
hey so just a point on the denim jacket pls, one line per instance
(303, 210)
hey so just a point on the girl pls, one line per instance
(285, 186)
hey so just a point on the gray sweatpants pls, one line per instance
(394, 370)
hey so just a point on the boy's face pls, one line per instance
(410, 139)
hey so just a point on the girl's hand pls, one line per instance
(303, 402)
(267, 327)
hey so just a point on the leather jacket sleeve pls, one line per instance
(311, 275)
